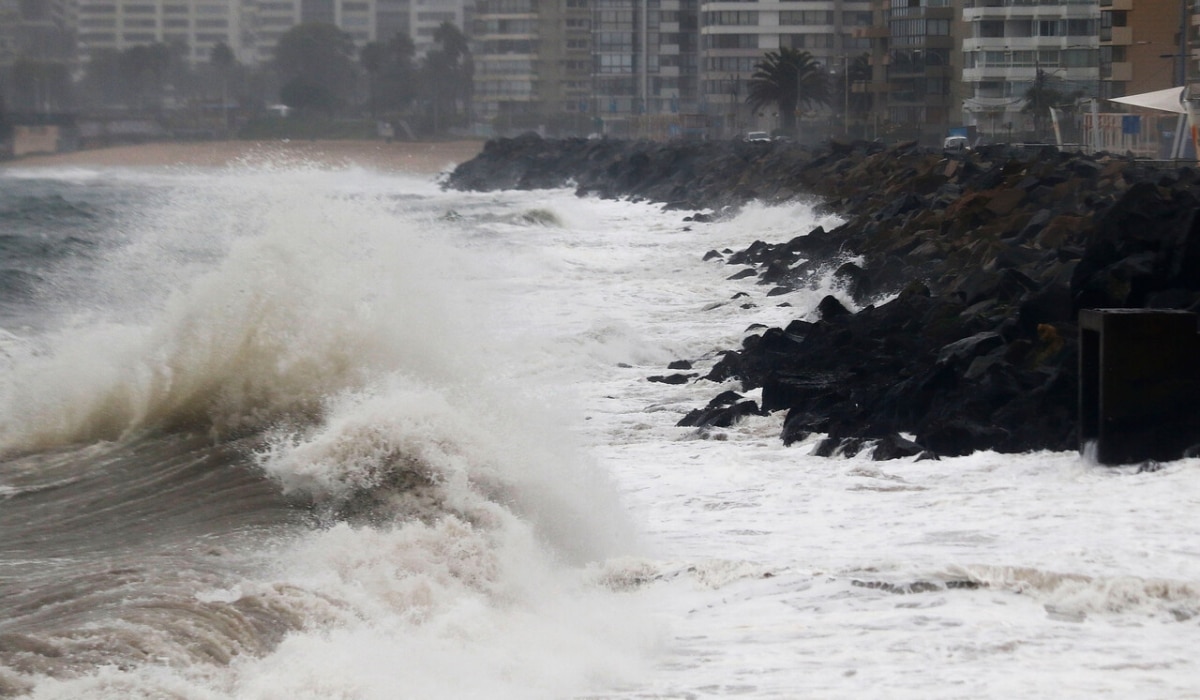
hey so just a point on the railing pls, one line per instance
(1023, 3)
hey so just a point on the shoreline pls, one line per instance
(425, 158)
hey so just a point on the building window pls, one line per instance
(731, 41)
(732, 18)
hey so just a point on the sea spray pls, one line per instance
(314, 293)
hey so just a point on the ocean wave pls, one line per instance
(1075, 596)
(316, 293)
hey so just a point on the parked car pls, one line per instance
(956, 143)
(757, 136)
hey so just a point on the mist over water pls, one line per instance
(282, 431)
(280, 394)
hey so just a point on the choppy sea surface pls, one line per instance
(295, 432)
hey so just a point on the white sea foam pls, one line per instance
(237, 314)
(759, 571)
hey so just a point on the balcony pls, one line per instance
(1048, 10)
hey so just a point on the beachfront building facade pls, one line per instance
(251, 28)
(1011, 45)
(1140, 48)
(36, 54)
(734, 36)
(532, 65)
(922, 69)
(645, 67)
(192, 28)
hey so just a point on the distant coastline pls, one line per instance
(413, 157)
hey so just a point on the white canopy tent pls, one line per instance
(1169, 100)
(1174, 100)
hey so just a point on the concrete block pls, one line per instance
(1139, 375)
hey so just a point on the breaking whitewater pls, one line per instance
(299, 432)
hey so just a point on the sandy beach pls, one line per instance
(414, 157)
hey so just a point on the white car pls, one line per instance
(757, 136)
(956, 143)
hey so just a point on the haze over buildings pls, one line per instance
(663, 68)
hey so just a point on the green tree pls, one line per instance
(5, 128)
(398, 80)
(221, 57)
(788, 79)
(447, 72)
(39, 86)
(137, 77)
(102, 83)
(1039, 98)
(860, 74)
(373, 58)
(391, 75)
(225, 71)
(315, 65)
(143, 71)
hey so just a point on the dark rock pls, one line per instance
(989, 255)
(894, 446)
(830, 308)
(671, 378)
(722, 412)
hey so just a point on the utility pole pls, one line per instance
(1181, 66)
(846, 96)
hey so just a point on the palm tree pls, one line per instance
(1040, 98)
(448, 69)
(859, 72)
(373, 59)
(787, 78)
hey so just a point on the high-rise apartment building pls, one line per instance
(271, 20)
(1008, 44)
(922, 69)
(645, 64)
(735, 35)
(194, 26)
(1140, 47)
(36, 53)
(532, 63)
(251, 28)
(392, 18)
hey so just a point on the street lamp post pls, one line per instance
(846, 95)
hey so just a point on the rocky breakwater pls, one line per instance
(968, 271)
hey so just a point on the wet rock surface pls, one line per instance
(968, 270)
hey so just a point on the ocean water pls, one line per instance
(283, 431)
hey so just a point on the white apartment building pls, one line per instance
(251, 28)
(532, 63)
(1007, 42)
(735, 35)
(194, 25)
